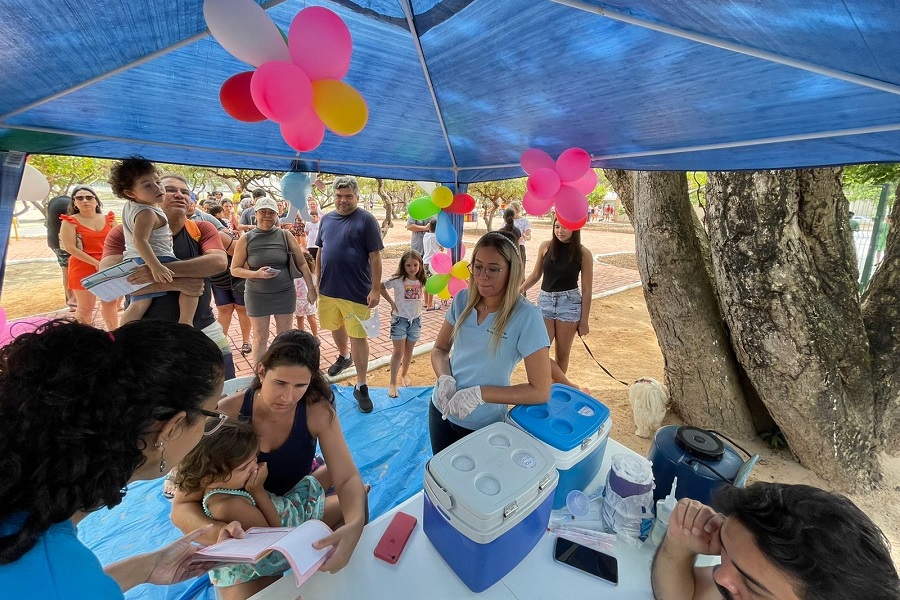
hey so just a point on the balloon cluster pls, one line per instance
(565, 182)
(448, 278)
(297, 81)
(442, 203)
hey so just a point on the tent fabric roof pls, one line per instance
(640, 84)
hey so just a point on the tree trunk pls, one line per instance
(788, 296)
(489, 208)
(704, 383)
(881, 314)
(388, 222)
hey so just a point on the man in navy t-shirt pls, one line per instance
(349, 268)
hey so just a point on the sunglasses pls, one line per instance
(84, 198)
(214, 421)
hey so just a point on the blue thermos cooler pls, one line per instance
(703, 463)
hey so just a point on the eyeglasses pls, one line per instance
(84, 198)
(491, 272)
(175, 190)
(214, 421)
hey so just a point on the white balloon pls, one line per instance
(428, 186)
(245, 30)
(34, 186)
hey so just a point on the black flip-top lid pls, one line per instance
(700, 443)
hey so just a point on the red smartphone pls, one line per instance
(391, 544)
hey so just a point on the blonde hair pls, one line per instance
(510, 252)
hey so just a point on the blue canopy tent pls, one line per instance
(457, 89)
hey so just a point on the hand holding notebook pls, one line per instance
(295, 543)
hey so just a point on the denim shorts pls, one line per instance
(404, 329)
(560, 306)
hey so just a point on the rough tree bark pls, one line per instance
(881, 314)
(788, 293)
(701, 374)
(388, 221)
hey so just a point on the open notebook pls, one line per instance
(295, 543)
(112, 283)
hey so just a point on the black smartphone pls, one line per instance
(586, 559)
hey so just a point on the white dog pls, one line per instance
(649, 399)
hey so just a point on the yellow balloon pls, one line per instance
(461, 270)
(444, 294)
(341, 108)
(442, 196)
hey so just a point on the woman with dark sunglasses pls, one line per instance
(82, 233)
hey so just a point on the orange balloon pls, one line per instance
(340, 106)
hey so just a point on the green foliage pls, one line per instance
(696, 181)
(775, 438)
(876, 174)
(65, 171)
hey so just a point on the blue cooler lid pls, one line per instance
(567, 418)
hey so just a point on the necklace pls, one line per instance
(486, 307)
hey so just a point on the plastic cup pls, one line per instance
(578, 504)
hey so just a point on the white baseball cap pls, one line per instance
(266, 203)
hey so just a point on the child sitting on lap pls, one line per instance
(223, 466)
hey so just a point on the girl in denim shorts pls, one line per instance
(565, 308)
(408, 285)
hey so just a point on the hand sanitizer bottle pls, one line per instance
(664, 510)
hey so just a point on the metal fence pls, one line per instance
(870, 206)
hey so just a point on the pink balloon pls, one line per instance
(320, 43)
(572, 164)
(441, 263)
(571, 204)
(534, 159)
(534, 205)
(543, 183)
(587, 183)
(304, 135)
(281, 91)
(456, 285)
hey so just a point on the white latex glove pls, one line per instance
(444, 390)
(463, 403)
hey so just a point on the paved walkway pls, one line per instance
(606, 279)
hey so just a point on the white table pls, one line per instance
(422, 573)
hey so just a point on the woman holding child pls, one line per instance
(291, 407)
(84, 412)
(489, 329)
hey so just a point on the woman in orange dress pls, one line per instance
(82, 233)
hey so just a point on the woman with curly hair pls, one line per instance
(291, 407)
(83, 413)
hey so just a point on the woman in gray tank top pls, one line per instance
(262, 257)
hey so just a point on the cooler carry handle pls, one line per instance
(438, 493)
(604, 429)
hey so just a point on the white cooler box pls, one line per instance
(575, 427)
(487, 502)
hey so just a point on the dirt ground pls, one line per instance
(624, 341)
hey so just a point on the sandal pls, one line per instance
(246, 348)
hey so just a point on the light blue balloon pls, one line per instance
(445, 232)
(295, 187)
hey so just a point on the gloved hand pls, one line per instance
(444, 390)
(463, 403)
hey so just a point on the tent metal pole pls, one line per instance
(757, 142)
(121, 69)
(291, 158)
(733, 47)
(407, 10)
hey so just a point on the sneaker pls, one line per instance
(362, 397)
(339, 365)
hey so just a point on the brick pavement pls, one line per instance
(599, 240)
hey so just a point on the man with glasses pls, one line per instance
(348, 264)
(201, 254)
